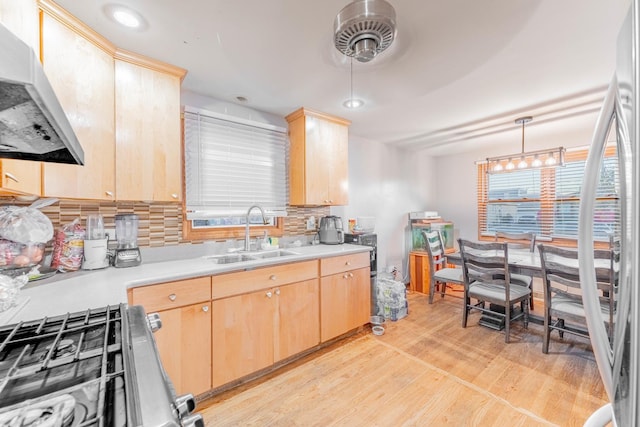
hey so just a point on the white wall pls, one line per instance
(387, 183)
(457, 173)
(213, 105)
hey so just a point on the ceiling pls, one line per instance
(458, 69)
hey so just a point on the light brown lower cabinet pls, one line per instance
(254, 330)
(345, 294)
(221, 328)
(184, 343)
(184, 340)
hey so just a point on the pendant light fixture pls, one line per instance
(526, 160)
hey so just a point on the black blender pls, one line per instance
(127, 253)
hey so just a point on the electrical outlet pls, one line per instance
(311, 223)
(111, 233)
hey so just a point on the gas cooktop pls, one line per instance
(65, 370)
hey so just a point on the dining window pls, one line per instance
(546, 201)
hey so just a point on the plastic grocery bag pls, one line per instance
(392, 299)
(68, 247)
(9, 288)
(24, 225)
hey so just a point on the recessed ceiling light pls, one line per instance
(125, 16)
(353, 103)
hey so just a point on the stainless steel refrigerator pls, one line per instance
(618, 358)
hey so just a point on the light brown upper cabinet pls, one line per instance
(79, 64)
(318, 166)
(148, 141)
(124, 109)
(21, 176)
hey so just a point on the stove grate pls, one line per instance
(50, 356)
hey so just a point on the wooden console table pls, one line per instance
(419, 274)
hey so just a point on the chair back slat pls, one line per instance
(433, 244)
(485, 262)
(570, 281)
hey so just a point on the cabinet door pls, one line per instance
(82, 77)
(242, 335)
(21, 176)
(147, 134)
(21, 17)
(326, 162)
(344, 302)
(318, 167)
(338, 175)
(298, 318)
(360, 297)
(317, 162)
(184, 343)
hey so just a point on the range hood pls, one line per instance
(33, 125)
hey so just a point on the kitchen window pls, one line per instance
(230, 165)
(546, 201)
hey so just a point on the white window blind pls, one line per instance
(546, 201)
(232, 164)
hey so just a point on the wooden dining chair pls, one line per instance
(439, 272)
(486, 276)
(520, 241)
(564, 310)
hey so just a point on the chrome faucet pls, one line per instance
(247, 243)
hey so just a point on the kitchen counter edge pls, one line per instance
(87, 290)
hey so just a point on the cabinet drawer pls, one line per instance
(172, 294)
(342, 263)
(225, 285)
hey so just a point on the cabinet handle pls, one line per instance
(172, 297)
(11, 176)
(277, 291)
(273, 277)
(174, 195)
(205, 308)
(109, 193)
(269, 294)
(350, 275)
(345, 276)
(347, 263)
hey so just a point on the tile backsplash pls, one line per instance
(160, 223)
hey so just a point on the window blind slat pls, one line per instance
(230, 166)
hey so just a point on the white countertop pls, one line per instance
(77, 291)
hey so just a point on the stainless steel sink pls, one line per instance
(248, 256)
(230, 258)
(271, 254)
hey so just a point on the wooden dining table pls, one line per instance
(520, 261)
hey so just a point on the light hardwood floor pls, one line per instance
(426, 370)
